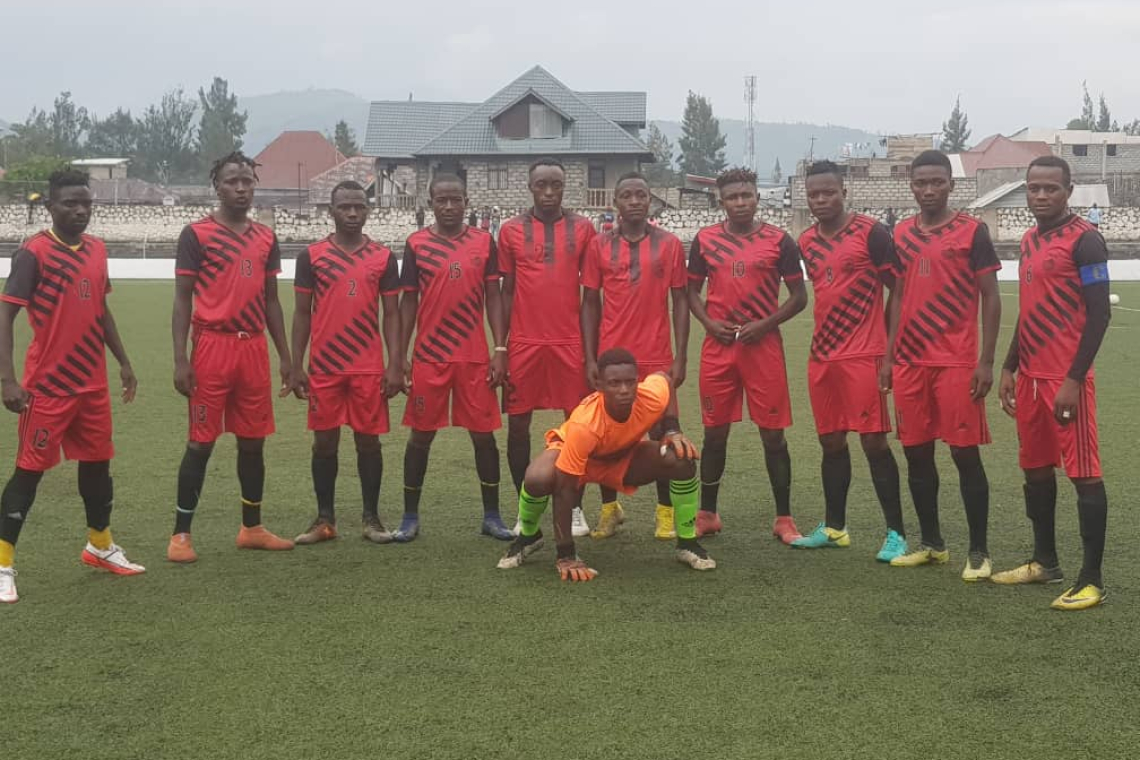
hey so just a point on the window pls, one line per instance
(1110, 151)
(1080, 150)
(544, 121)
(497, 177)
(900, 171)
(596, 178)
(859, 172)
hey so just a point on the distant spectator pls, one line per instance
(891, 220)
(472, 218)
(485, 220)
(496, 220)
(1094, 216)
(419, 217)
(608, 222)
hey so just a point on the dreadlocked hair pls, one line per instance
(737, 174)
(237, 157)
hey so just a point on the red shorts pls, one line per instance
(80, 425)
(933, 403)
(608, 473)
(545, 376)
(845, 396)
(729, 373)
(354, 400)
(1044, 442)
(234, 392)
(464, 384)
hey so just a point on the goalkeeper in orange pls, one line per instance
(605, 442)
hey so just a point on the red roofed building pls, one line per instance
(293, 159)
(998, 160)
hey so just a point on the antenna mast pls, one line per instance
(750, 99)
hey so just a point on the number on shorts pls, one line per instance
(85, 289)
(247, 267)
(455, 271)
(352, 288)
(40, 438)
(420, 405)
(200, 414)
(738, 269)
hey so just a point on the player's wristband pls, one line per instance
(500, 349)
(672, 424)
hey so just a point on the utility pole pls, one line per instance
(750, 99)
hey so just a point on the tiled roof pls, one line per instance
(294, 158)
(589, 132)
(396, 128)
(620, 107)
(358, 169)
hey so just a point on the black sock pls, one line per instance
(1041, 509)
(325, 469)
(518, 458)
(191, 476)
(836, 472)
(779, 463)
(16, 502)
(415, 468)
(98, 493)
(975, 488)
(370, 468)
(1092, 509)
(713, 455)
(488, 468)
(251, 477)
(663, 497)
(922, 477)
(885, 477)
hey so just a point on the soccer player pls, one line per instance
(60, 277)
(946, 265)
(341, 283)
(226, 289)
(604, 442)
(450, 277)
(635, 268)
(744, 260)
(849, 258)
(541, 253)
(1048, 384)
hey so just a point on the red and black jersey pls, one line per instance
(846, 272)
(939, 267)
(450, 274)
(63, 291)
(346, 288)
(744, 271)
(546, 259)
(1054, 267)
(635, 280)
(230, 269)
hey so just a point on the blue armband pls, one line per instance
(1091, 274)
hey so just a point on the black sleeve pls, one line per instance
(790, 255)
(303, 278)
(409, 275)
(189, 257)
(390, 280)
(273, 265)
(881, 246)
(1091, 257)
(698, 267)
(983, 256)
(23, 278)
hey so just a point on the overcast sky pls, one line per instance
(883, 65)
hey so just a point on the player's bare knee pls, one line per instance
(965, 456)
(833, 443)
(773, 440)
(199, 447)
(251, 445)
(518, 425)
(874, 443)
(1039, 474)
(539, 478)
(716, 438)
(674, 468)
(366, 444)
(421, 439)
(483, 440)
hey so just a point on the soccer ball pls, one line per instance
(1114, 299)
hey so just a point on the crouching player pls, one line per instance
(604, 442)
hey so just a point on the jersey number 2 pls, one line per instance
(352, 288)
(85, 289)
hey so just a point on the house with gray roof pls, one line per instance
(491, 144)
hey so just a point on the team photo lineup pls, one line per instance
(553, 314)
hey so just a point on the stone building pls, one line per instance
(491, 144)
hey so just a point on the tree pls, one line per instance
(1104, 118)
(166, 138)
(660, 173)
(221, 127)
(35, 169)
(345, 140)
(115, 136)
(777, 173)
(1087, 119)
(31, 139)
(702, 144)
(67, 123)
(956, 130)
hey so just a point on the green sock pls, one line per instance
(685, 503)
(530, 510)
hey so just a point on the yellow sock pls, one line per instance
(100, 539)
(6, 553)
(610, 504)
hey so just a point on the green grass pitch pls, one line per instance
(348, 650)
